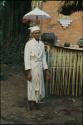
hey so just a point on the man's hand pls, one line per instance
(28, 75)
(47, 75)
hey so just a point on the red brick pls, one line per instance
(72, 33)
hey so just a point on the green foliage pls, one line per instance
(40, 0)
(13, 31)
(68, 7)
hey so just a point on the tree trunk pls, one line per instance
(14, 31)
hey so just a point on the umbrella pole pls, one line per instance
(37, 21)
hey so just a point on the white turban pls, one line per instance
(34, 28)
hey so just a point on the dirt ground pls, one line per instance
(53, 110)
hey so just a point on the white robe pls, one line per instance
(35, 59)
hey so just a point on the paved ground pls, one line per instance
(54, 110)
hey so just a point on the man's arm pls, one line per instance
(27, 62)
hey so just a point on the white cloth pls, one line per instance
(34, 28)
(35, 59)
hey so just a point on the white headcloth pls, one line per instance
(34, 28)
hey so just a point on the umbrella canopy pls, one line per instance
(36, 14)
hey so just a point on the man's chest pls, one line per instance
(36, 49)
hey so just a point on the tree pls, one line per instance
(68, 7)
(14, 31)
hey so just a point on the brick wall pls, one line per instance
(70, 34)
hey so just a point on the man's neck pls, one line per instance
(37, 39)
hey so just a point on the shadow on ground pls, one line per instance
(53, 110)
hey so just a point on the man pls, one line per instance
(35, 64)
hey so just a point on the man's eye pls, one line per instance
(37, 33)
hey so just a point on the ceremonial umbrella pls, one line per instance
(35, 15)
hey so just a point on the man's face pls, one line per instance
(36, 34)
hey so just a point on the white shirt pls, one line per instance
(34, 52)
